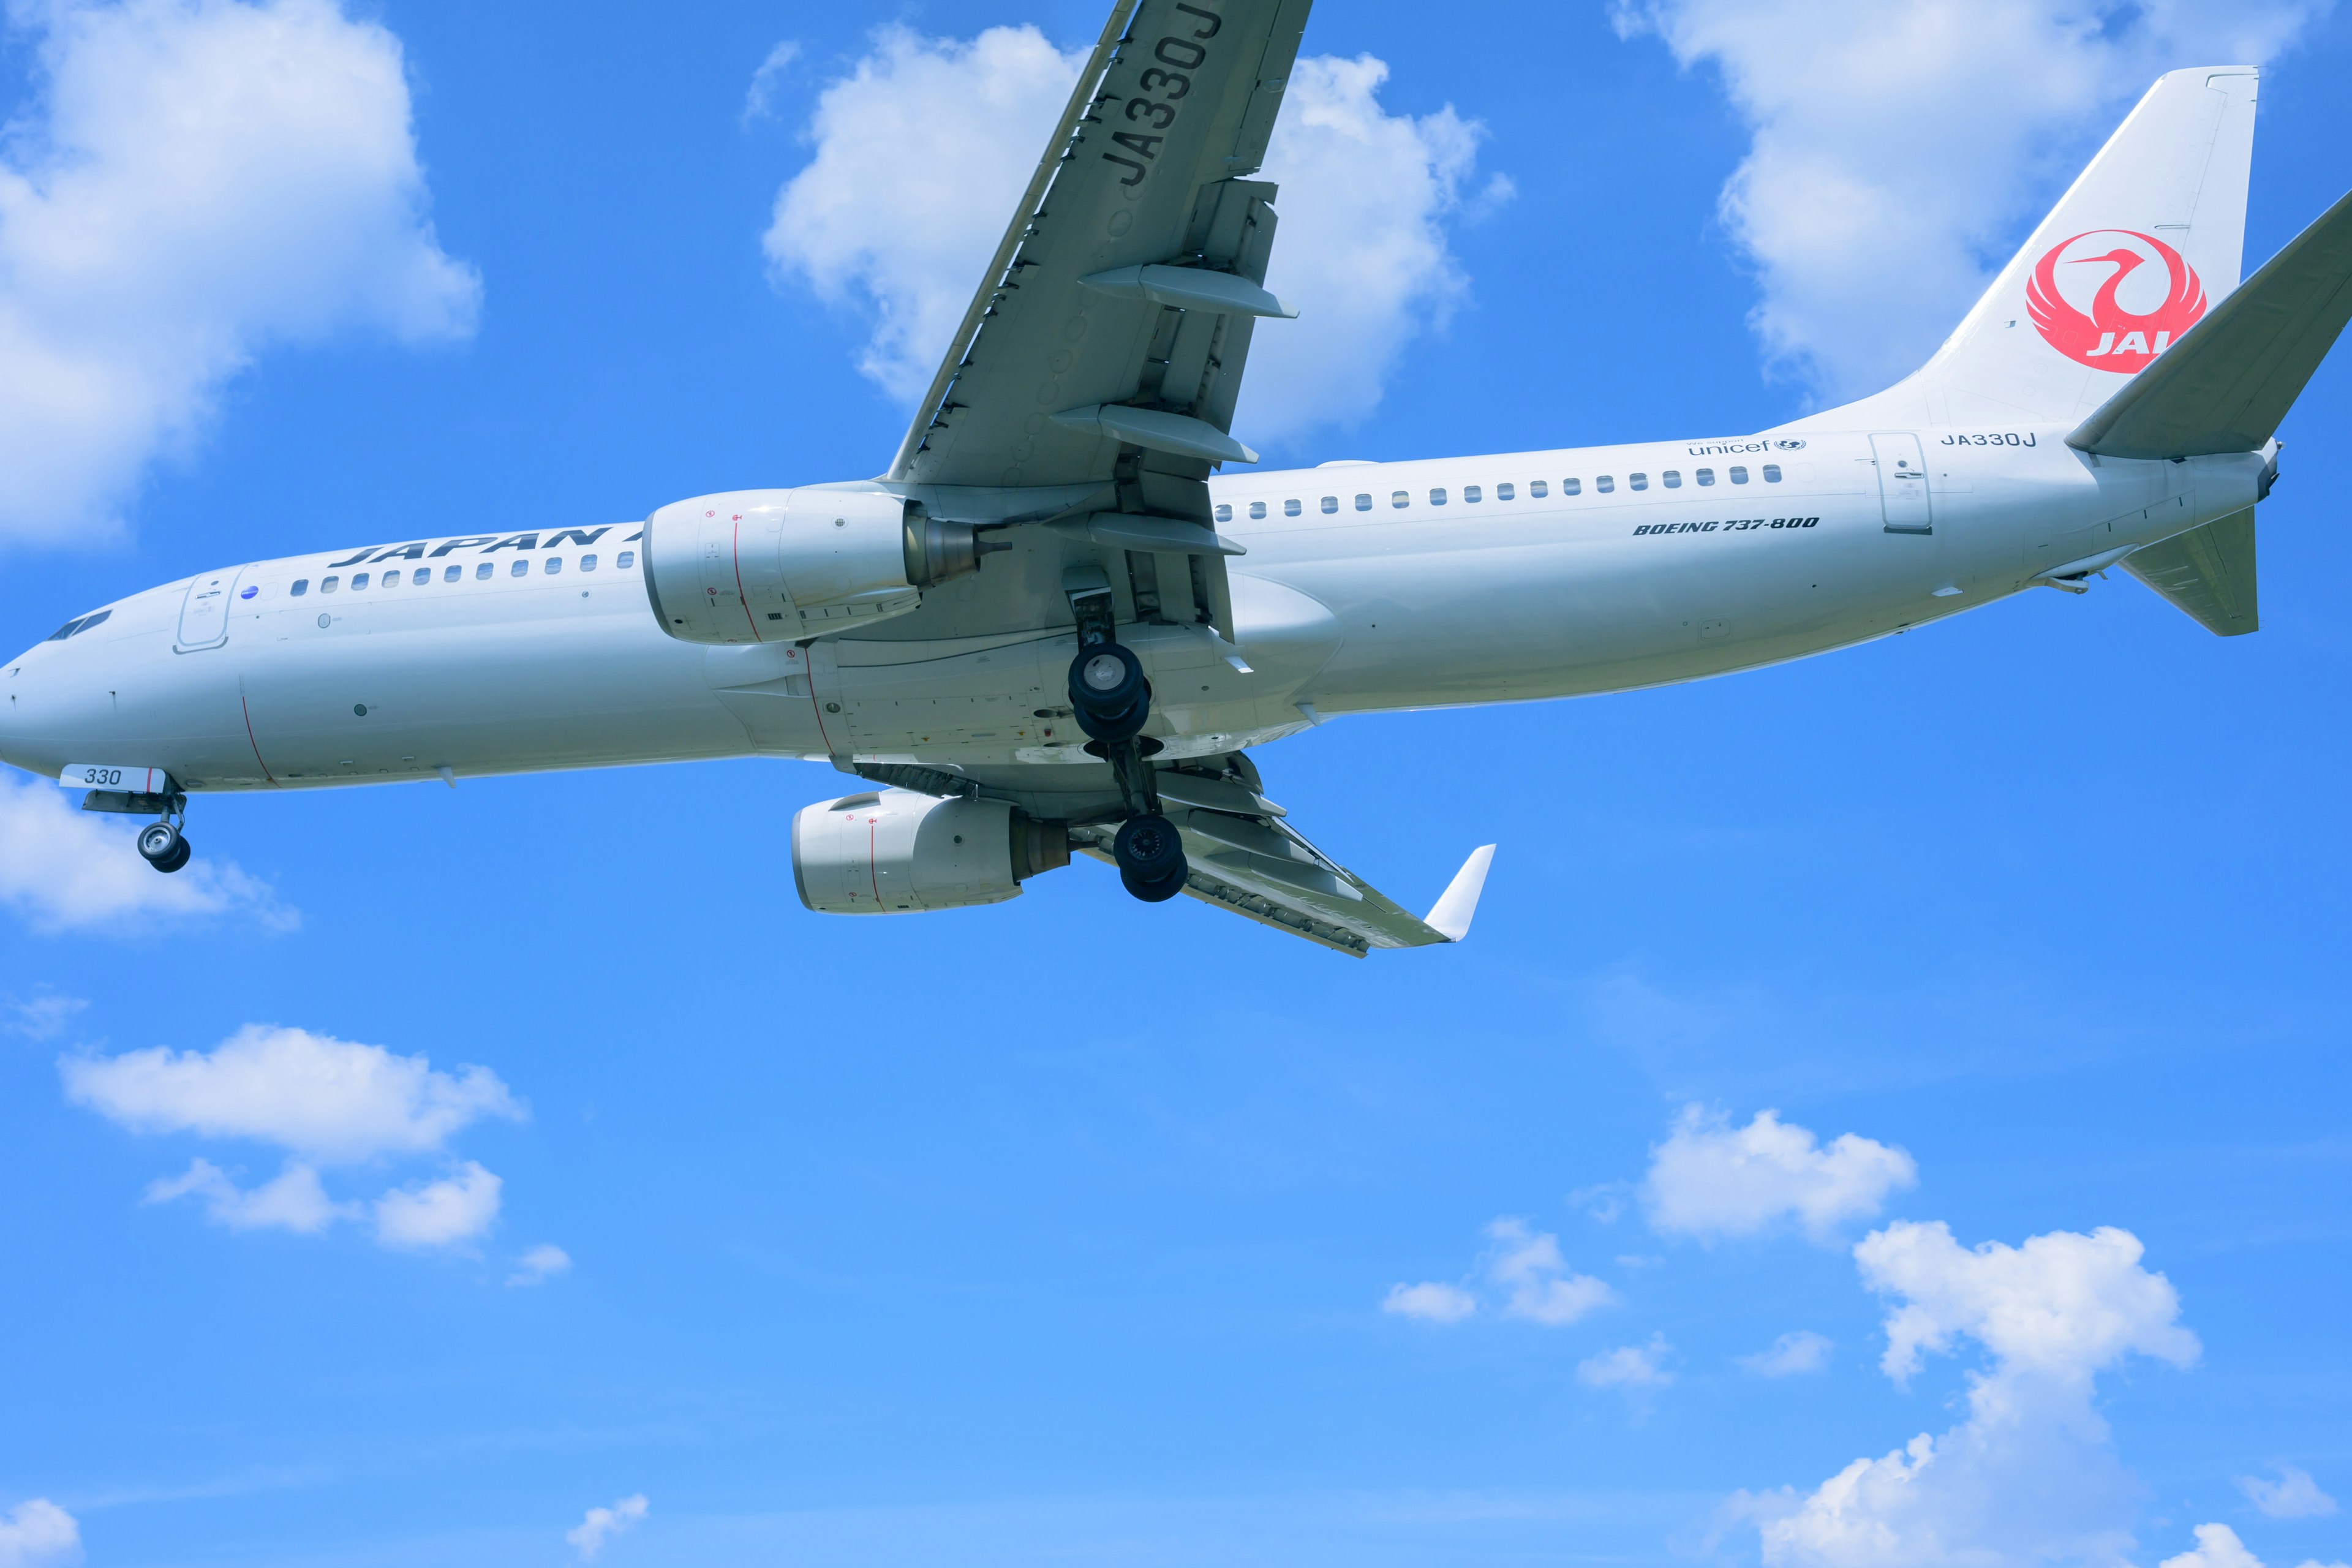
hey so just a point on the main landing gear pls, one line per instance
(1111, 700)
(163, 845)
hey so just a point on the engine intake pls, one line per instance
(752, 566)
(897, 852)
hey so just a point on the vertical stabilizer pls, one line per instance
(2150, 238)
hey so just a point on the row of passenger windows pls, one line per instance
(483, 571)
(1539, 489)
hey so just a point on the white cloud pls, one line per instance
(922, 150)
(589, 1536)
(459, 1207)
(541, 1264)
(1362, 252)
(1431, 1302)
(1628, 1366)
(1790, 1355)
(322, 1099)
(1541, 1287)
(194, 180)
(2028, 1476)
(294, 1201)
(2294, 1495)
(1710, 1180)
(65, 869)
(758, 99)
(2218, 1546)
(1863, 264)
(325, 1098)
(1523, 1268)
(44, 1016)
(39, 1534)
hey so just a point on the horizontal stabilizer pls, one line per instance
(2208, 573)
(2228, 382)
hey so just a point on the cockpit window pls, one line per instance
(80, 624)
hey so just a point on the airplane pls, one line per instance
(1061, 623)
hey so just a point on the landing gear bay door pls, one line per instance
(1089, 391)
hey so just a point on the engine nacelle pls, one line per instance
(750, 566)
(897, 852)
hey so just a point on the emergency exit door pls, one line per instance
(1902, 483)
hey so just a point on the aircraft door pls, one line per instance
(1902, 483)
(203, 615)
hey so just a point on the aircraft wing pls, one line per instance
(1092, 383)
(1246, 857)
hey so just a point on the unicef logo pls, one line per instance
(1786, 446)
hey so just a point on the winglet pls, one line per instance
(1450, 918)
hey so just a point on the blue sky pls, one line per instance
(1061, 1230)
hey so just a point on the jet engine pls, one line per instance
(897, 852)
(752, 566)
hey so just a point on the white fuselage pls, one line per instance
(1341, 606)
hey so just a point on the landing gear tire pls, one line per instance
(163, 846)
(1158, 892)
(1151, 858)
(1108, 693)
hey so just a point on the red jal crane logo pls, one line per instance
(2110, 336)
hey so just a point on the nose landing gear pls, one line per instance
(163, 845)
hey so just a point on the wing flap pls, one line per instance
(2208, 573)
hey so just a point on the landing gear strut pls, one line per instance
(163, 845)
(1111, 700)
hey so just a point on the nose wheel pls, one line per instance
(162, 845)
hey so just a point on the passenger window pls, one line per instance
(1364, 502)
(451, 574)
(1257, 510)
(1541, 489)
(331, 585)
(1291, 508)
(1739, 476)
(1638, 481)
(554, 564)
(1473, 494)
(1673, 478)
(421, 576)
(1706, 477)
(520, 569)
(1330, 505)
(1503, 492)
(1401, 500)
(1224, 511)
(1437, 498)
(1604, 484)
(628, 558)
(1771, 473)
(358, 581)
(587, 564)
(302, 587)
(482, 572)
